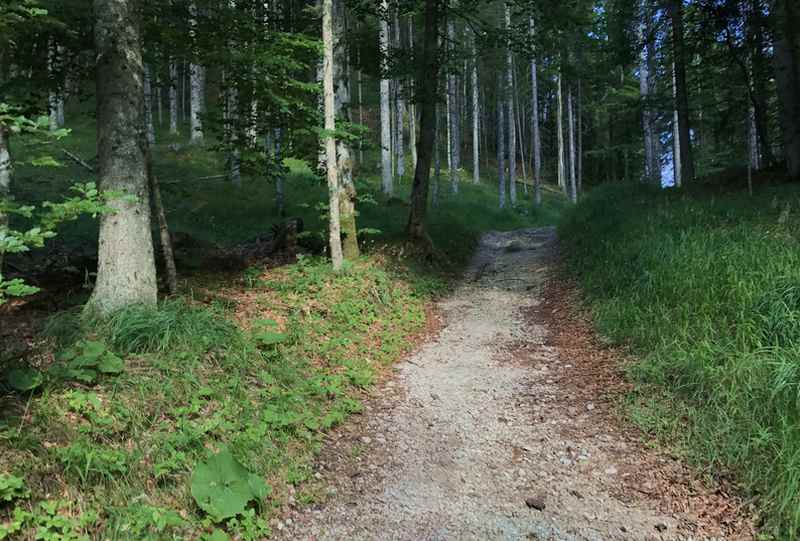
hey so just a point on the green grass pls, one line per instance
(260, 362)
(706, 289)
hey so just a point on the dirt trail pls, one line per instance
(483, 434)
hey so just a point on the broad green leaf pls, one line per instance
(110, 364)
(24, 379)
(222, 487)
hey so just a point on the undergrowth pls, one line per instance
(251, 383)
(706, 290)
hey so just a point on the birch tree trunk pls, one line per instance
(677, 165)
(453, 115)
(400, 106)
(476, 116)
(342, 103)
(437, 175)
(412, 108)
(56, 95)
(173, 98)
(535, 133)
(280, 191)
(335, 239)
(197, 84)
(681, 95)
(787, 77)
(573, 182)
(510, 127)
(501, 140)
(126, 272)
(426, 97)
(562, 181)
(386, 114)
(646, 55)
(6, 172)
(148, 107)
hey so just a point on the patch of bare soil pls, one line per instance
(504, 427)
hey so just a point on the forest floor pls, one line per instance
(507, 425)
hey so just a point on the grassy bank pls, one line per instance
(706, 290)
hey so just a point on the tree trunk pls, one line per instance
(56, 95)
(280, 189)
(412, 108)
(341, 71)
(510, 115)
(197, 84)
(646, 57)
(680, 91)
(453, 123)
(334, 197)
(677, 165)
(6, 172)
(562, 181)
(126, 272)
(787, 78)
(476, 116)
(426, 97)
(535, 133)
(163, 229)
(573, 181)
(173, 98)
(386, 114)
(437, 168)
(501, 140)
(148, 106)
(400, 106)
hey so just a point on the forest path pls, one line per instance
(489, 432)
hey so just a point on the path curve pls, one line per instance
(460, 445)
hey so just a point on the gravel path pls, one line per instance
(465, 443)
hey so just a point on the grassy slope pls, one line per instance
(706, 288)
(113, 459)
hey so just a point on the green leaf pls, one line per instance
(110, 364)
(24, 379)
(218, 535)
(258, 486)
(222, 487)
(46, 161)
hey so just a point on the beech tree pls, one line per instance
(126, 272)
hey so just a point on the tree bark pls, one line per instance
(341, 80)
(163, 229)
(677, 164)
(680, 92)
(476, 116)
(646, 57)
(453, 114)
(535, 133)
(126, 272)
(573, 181)
(412, 108)
(787, 76)
(562, 181)
(334, 197)
(501, 140)
(509, 99)
(56, 95)
(173, 98)
(386, 114)
(197, 84)
(6, 172)
(426, 97)
(148, 106)
(400, 105)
